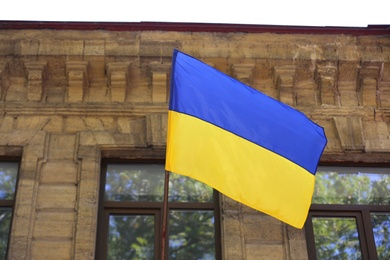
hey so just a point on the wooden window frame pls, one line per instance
(10, 203)
(108, 207)
(360, 212)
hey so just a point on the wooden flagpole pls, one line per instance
(165, 216)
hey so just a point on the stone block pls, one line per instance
(157, 128)
(377, 146)
(55, 125)
(256, 251)
(18, 137)
(16, 90)
(56, 196)
(96, 138)
(94, 47)
(59, 172)
(124, 47)
(62, 146)
(123, 125)
(350, 132)
(61, 47)
(51, 249)
(231, 225)
(29, 47)
(74, 124)
(31, 122)
(138, 130)
(298, 250)
(87, 151)
(100, 123)
(232, 247)
(97, 94)
(6, 124)
(263, 228)
(54, 225)
(375, 130)
(89, 190)
(22, 220)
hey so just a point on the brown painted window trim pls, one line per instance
(360, 212)
(144, 155)
(14, 155)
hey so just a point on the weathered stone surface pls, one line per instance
(66, 96)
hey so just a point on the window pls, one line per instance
(350, 214)
(8, 178)
(130, 221)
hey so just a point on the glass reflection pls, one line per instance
(191, 235)
(8, 174)
(336, 238)
(185, 189)
(352, 185)
(145, 182)
(5, 223)
(381, 227)
(134, 182)
(131, 237)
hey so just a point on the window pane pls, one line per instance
(352, 185)
(131, 237)
(134, 182)
(336, 238)
(191, 235)
(381, 228)
(185, 189)
(5, 223)
(8, 174)
(145, 182)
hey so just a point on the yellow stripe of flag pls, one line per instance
(237, 167)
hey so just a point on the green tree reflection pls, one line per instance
(132, 236)
(336, 238)
(339, 236)
(8, 176)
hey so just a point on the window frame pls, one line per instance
(362, 214)
(109, 207)
(11, 203)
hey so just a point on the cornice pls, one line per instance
(196, 27)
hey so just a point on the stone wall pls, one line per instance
(70, 97)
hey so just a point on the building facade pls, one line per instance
(73, 95)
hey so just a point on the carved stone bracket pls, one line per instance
(160, 78)
(77, 74)
(367, 86)
(284, 79)
(36, 75)
(3, 76)
(326, 79)
(118, 79)
(244, 72)
(350, 133)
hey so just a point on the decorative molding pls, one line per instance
(160, 78)
(284, 80)
(78, 83)
(244, 72)
(118, 80)
(350, 133)
(326, 79)
(367, 86)
(3, 75)
(36, 76)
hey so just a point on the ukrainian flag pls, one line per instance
(250, 147)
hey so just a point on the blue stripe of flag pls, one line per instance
(208, 94)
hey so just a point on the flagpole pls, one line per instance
(165, 216)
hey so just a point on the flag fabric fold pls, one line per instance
(250, 147)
